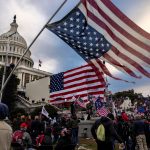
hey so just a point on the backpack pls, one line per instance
(100, 132)
(17, 137)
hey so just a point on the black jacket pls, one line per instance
(110, 132)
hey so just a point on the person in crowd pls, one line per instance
(28, 122)
(73, 125)
(16, 122)
(132, 134)
(73, 109)
(44, 139)
(64, 142)
(123, 129)
(124, 116)
(139, 129)
(55, 131)
(64, 121)
(147, 133)
(5, 129)
(36, 128)
(22, 138)
(110, 133)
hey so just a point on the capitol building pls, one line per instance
(12, 47)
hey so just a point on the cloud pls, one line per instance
(51, 65)
(144, 89)
(137, 11)
(52, 51)
(112, 69)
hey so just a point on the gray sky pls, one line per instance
(55, 55)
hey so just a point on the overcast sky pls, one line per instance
(55, 55)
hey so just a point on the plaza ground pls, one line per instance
(86, 143)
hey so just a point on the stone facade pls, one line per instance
(12, 47)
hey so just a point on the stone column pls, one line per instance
(2, 58)
(15, 61)
(23, 79)
(30, 78)
(11, 59)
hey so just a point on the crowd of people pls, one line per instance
(61, 133)
(38, 132)
(129, 132)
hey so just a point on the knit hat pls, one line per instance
(3, 111)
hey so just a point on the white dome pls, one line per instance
(16, 36)
(17, 46)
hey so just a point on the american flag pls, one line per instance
(100, 108)
(103, 111)
(78, 82)
(81, 103)
(97, 30)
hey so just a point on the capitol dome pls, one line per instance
(13, 45)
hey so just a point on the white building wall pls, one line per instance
(38, 89)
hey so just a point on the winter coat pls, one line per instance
(110, 132)
(5, 136)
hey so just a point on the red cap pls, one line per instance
(23, 125)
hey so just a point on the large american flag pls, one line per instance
(77, 82)
(97, 30)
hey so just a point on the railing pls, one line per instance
(27, 103)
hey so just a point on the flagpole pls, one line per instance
(31, 45)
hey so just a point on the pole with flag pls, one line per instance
(18, 62)
(44, 112)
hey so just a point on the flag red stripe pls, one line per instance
(85, 83)
(74, 69)
(78, 73)
(125, 19)
(132, 62)
(81, 96)
(126, 58)
(73, 91)
(106, 71)
(116, 63)
(83, 77)
(115, 38)
(98, 72)
(103, 111)
(118, 28)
